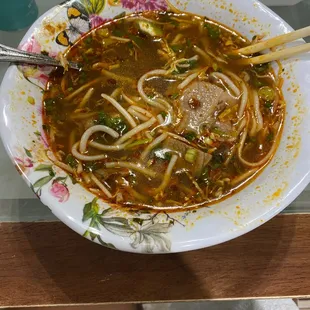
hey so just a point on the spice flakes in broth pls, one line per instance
(161, 116)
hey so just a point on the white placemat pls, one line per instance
(264, 304)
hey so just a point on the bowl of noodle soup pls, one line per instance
(164, 140)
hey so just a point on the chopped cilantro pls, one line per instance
(163, 114)
(119, 125)
(136, 39)
(71, 161)
(49, 105)
(189, 43)
(257, 83)
(115, 123)
(174, 96)
(101, 118)
(214, 31)
(268, 105)
(191, 64)
(162, 154)
(167, 156)
(261, 68)
(88, 40)
(270, 137)
(190, 135)
(91, 166)
(151, 96)
(218, 157)
(177, 48)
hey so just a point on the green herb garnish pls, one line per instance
(136, 39)
(115, 123)
(190, 136)
(91, 166)
(162, 154)
(138, 142)
(177, 48)
(174, 96)
(163, 114)
(261, 68)
(49, 105)
(119, 125)
(268, 105)
(88, 40)
(270, 137)
(71, 161)
(189, 43)
(257, 83)
(214, 31)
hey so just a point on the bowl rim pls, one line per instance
(195, 244)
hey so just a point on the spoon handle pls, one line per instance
(9, 54)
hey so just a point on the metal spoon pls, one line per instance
(9, 54)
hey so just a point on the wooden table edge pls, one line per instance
(47, 264)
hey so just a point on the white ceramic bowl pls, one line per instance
(279, 184)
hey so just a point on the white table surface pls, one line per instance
(18, 203)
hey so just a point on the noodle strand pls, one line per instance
(143, 94)
(136, 130)
(101, 186)
(120, 109)
(137, 114)
(90, 131)
(82, 157)
(149, 148)
(227, 81)
(86, 98)
(105, 147)
(131, 166)
(167, 175)
(258, 114)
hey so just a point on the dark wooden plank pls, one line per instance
(47, 263)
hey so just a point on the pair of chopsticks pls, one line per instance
(273, 42)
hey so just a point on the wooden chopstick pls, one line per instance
(285, 53)
(282, 39)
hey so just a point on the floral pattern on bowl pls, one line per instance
(143, 232)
